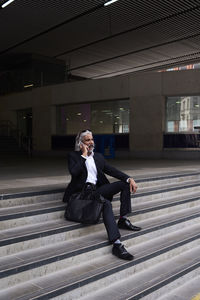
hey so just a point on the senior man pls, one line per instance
(89, 167)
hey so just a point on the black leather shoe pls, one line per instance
(119, 251)
(126, 224)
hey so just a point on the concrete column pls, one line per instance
(146, 124)
(146, 115)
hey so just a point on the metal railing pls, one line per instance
(8, 129)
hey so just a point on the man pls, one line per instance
(87, 167)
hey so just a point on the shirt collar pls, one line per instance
(91, 155)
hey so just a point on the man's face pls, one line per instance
(89, 141)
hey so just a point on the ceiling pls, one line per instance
(97, 41)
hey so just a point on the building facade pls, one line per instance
(149, 113)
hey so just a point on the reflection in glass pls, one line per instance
(183, 114)
(100, 117)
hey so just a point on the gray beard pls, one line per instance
(91, 149)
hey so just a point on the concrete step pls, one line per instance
(41, 261)
(39, 194)
(79, 279)
(44, 256)
(161, 180)
(146, 185)
(55, 211)
(46, 211)
(24, 235)
(31, 196)
(189, 290)
(31, 214)
(169, 190)
(155, 281)
(143, 186)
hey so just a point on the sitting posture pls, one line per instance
(88, 167)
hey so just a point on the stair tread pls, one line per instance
(187, 291)
(22, 209)
(181, 185)
(165, 175)
(104, 266)
(53, 257)
(31, 191)
(149, 278)
(166, 201)
(44, 207)
(52, 226)
(60, 187)
(48, 205)
(65, 248)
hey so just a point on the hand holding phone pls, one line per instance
(84, 148)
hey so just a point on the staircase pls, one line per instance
(43, 256)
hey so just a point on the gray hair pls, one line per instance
(79, 138)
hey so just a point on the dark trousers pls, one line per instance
(108, 191)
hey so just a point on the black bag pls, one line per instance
(85, 207)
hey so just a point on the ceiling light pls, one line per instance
(7, 3)
(110, 2)
(28, 85)
(79, 114)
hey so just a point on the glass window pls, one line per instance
(100, 117)
(181, 117)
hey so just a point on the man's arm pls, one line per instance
(75, 164)
(111, 171)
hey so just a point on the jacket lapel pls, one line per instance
(80, 153)
(97, 162)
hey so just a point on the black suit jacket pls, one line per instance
(78, 171)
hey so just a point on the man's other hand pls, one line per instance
(133, 185)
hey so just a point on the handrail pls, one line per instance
(26, 144)
(7, 128)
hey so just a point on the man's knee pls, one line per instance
(124, 185)
(107, 204)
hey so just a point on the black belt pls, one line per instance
(90, 186)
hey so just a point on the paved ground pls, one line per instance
(19, 173)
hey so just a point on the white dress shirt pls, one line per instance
(91, 169)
